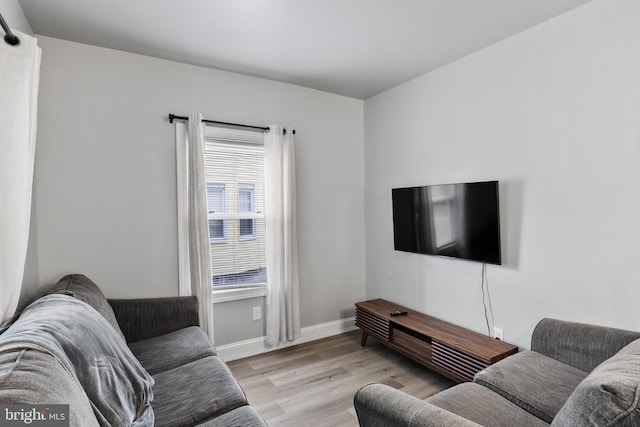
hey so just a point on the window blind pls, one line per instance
(234, 170)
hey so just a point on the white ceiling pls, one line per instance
(356, 48)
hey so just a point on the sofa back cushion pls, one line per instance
(81, 287)
(609, 395)
(580, 345)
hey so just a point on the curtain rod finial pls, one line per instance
(13, 40)
(9, 38)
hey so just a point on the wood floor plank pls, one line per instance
(313, 384)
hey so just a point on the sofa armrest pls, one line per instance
(580, 345)
(150, 317)
(379, 405)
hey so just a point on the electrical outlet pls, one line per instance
(498, 333)
(257, 313)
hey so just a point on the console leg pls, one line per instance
(363, 341)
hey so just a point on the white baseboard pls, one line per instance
(252, 347)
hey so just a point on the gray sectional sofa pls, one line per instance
(575, 375)
(138, 362)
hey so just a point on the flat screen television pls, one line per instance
(453, 220)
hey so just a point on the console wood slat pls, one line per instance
(374, 325)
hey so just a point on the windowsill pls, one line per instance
(225, 295)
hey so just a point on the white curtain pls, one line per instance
(283, 294)
(193, 226)
(19, 79)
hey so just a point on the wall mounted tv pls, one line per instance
(453, 220)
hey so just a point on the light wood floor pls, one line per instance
(313, 384)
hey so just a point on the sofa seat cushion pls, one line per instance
(244, 416)
(81, 287)
(34, 377)
(481, 405)
(196, 392)
(168, 351)
(609, 395)
(536, 383)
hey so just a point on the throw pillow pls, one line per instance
(609, 395)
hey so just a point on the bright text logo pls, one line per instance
(34, 415)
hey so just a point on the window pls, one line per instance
(234, 169)
(247, 203)
(216, 202)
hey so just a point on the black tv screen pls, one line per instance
(453, 220)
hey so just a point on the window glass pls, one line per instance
(246, 203)
(216, 204)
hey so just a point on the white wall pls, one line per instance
(554, 114)
(14, 16)
(105, 173)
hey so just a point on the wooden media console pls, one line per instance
(451, 350)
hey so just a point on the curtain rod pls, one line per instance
(10, 38)
(173, 117)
